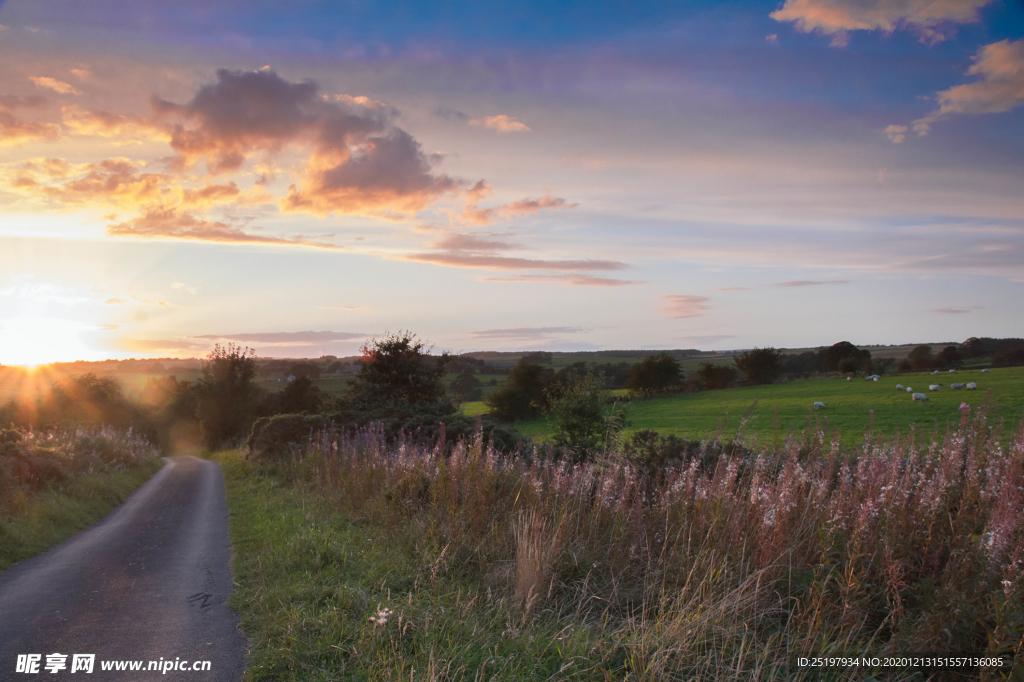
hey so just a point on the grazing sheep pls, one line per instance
(934, 387)
(984, 371)
(956, 386)
(849, 378)
(873, 377)
(899, 387)
(909, 389)
(935, 372)
(920, 396)
(971, 386)
(952, 371)
(819, 406)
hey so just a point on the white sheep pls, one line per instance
(934, 387)
(909, 389)
(952, 371)
(935, 372)
(956, 387)
(971, 386)
(899, 387)
(849, 378)
(920, 396)
(984, 371)
(873, 377)
(819, 406)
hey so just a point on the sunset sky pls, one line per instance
(299, 176)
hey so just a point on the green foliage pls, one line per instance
(654, 374)
(305, 370)
(276, 437)
(714, 377)
(584, 424)
(298, 396)
(399, 368)
(760, 365)
(844, 357)
(226, 395)
(466, 386)
(948, 358)
(524, 394)
(921, 358)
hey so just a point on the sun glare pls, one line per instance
(33, 341)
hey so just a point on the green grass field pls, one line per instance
(849, 405)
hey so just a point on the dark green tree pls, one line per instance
(399, 368)
(716, 376)
(226, 395)
(921, 358)
(584, 424)
(298, 396)
(466, 386)
(654, 374)
(760, 365)
(524, 394)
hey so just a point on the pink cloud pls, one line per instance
(678, 306)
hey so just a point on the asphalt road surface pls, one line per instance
(147, 583)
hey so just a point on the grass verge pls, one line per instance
(50, 517)
(325, 597)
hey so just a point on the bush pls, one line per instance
(466, 386)
(272, 438)
(583, 423)
(760, 365)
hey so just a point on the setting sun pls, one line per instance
(33, 341)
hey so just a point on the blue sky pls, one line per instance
(507, 175)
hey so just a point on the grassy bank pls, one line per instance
(365, 561)
(852, 406)
(55, 485)
(314, 588)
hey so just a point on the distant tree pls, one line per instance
(921, 358)
(654, 374)
(948, 357)
(466, 386)
(226, 395)
(524, 394)
(297, 397)
(714, 376)
(905, 365)
(309, 370)
(807, 362)
(583, 424)
(1009, 358)
(845, 357)
(538, 357)
(760, 365)
(334, 366)
(974, 348)
(399, 368)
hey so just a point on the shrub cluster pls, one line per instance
(31, 461)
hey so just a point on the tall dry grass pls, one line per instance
(728, 564)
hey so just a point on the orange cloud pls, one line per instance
(1000, 87)
(474, 215)
(836, 17)
(501, 123)
(55, 85)
(170, 224)
(677, 306)
(15, 129)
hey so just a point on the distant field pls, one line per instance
(849, 405)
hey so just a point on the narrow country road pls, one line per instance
(149, 582)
